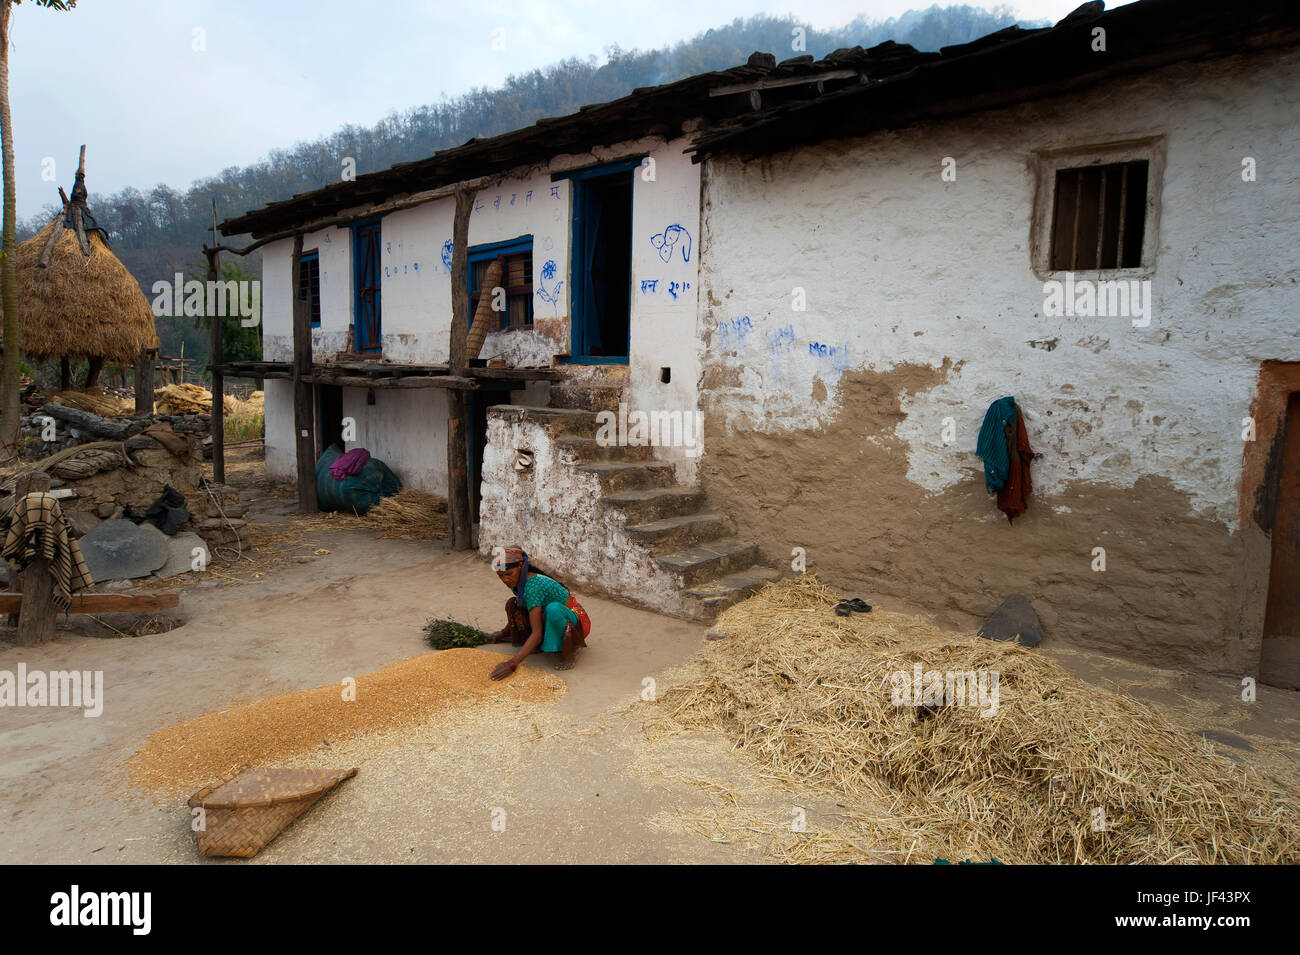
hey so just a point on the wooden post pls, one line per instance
(302, 397)
(217, 425)
(458, 509)
(144, 381)
(37, 615)
(92, 372)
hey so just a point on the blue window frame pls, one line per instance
(517, 280)
(309, 284)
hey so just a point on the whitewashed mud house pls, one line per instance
(840, 265)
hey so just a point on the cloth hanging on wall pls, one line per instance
(1013, 499)
(992, 443)
(1003, 444)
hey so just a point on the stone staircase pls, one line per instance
(659, 543)
(662, 523)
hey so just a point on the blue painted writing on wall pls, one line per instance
(735, 329)
(446, 254)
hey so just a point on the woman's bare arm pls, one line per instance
(506, 667)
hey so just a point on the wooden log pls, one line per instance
(304, 439)
(93, 423)
(458, 506)
(48, 250)
(102, 603)
(217, 425)
(82, 239)
(33, 603)
(144, 381)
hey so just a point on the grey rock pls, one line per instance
(715, 635)
(180, 554)
(82, 522)
(1014, 620)
(119, 549)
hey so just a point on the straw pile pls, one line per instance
(93, 400)
(187, 398)
(80, 306)
(220, 744)
(809, 696)
(407, 515)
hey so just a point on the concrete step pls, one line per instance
(717, 595)
(585, 397)
(559, 421)
(630, 475)
(675, 533)
(578, 450)
(705, 562)
(653, 504)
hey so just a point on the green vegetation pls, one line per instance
(448, 634)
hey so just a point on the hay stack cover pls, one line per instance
(83, 303)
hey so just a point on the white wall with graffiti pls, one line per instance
(407, 428)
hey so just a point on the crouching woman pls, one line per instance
(542, 615)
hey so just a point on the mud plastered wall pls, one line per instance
(825, 428)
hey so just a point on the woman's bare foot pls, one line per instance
(568, 650)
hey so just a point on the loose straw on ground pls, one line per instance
(1062, 772)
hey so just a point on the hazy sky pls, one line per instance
(173, 90)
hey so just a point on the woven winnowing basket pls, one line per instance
(483, 315)
(243, 814)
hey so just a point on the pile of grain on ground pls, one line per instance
(93, 400)
(407, 515)
(1061, 772)
(216, 745)
(187, 398)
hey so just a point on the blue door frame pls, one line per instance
(367, 286)
(586, 223)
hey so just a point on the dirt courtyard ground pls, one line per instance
(576, 778)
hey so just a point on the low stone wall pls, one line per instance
(553, 511)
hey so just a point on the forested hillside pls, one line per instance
(158, 231)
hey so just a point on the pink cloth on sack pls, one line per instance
(349, 463)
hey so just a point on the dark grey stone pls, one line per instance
(1014, 620)
(180, 550)
(120, 550)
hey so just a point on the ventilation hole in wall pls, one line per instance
(370, 396)
(665, 375)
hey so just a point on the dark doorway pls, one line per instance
(1280, 655)
(368, 332)
(329, 417)
(601, 273)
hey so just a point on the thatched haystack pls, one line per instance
(76, 299)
